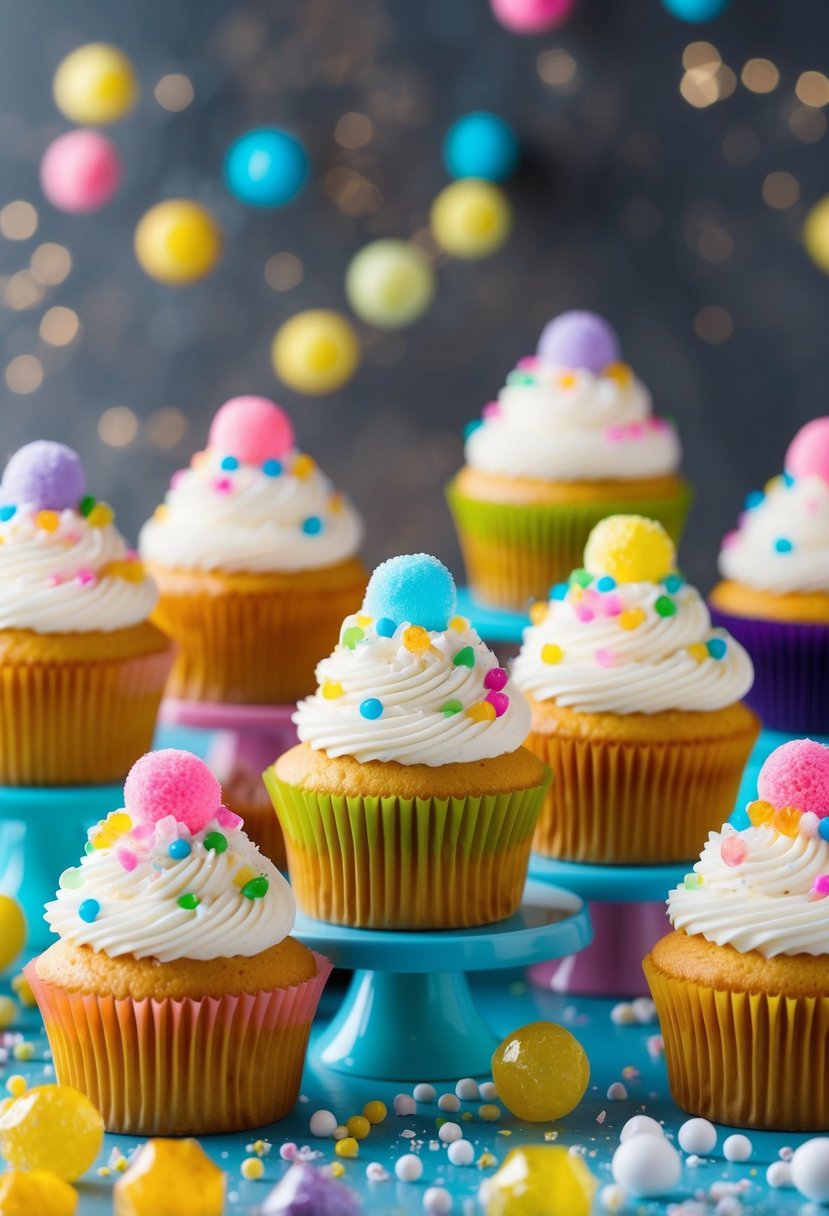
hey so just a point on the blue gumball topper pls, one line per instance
(416, 588)
(579, 339)
(267, 167)
(46, 475)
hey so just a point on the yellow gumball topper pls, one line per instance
(630, 549)
(95, 84)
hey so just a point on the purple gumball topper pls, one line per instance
(579, 339)
(45, 475)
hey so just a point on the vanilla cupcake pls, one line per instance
(636, 704)
(82, 669)
(175, 998)
(410, 801)
(571, 439)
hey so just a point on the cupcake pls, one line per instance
(82, 668)
(635, 704)
(410, 802)
(174, 997)
(774, 595)
(571, 439)
(742, 983)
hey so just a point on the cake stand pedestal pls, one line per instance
(42, 832)
(493, 624)
(409, 1012)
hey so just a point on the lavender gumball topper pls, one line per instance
(46, 475)
(579, 339)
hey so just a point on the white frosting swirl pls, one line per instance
(559, 424)
(782, 542)
(662, 662)
(243, 520)
(426, 698)
(765, 903)
(139, 910)
(74, 578)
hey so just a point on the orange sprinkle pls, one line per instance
(760, 813)
(459, 623)
(304, 466)
(482, 711)
(538, 612)
(698, 651)
(787, 820)
(620, 372)
(416, 639)
(567, 380)
(49, 521)
(631, 618)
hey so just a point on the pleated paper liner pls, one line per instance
(253, 639)
(747, 1059)
(514, 553)
(78, 723)
(620, 802)
(407, 863)
(261, 823)
(182, 1067)
(791, 671)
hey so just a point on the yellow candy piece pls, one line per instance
(243, 875)
(364, 620)
(37, 1193)
(760, 813)
(111, 829)
(816, 233)
(620, 372)
(566, 380)
(336, 1169)
(161, 511)
(539, 1181)
(698, 651)
(632, 618)
(177, 242)
(252, 1168)
(358, 1127)
(304, 466)
(538, 612)
(347, 1147)
(540, 1071)
(416, 639)
(51, 1127)
(315, 352)
(482, 711)
(375, 1111)
(22, 989)
(94, 85)
(551, 653)
(12, 930)
(787, 820)
(471, 218)
(459, 623)
(100, 515)
(48, 521)
(9, 1010)
(489, 1112)
(630, 549)
(130, 572)
(170, 1176)
(16, 1086)
(332, 689)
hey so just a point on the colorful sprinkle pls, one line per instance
(471, 427)
(551, 653)
(215, 842)
(698, 651)
(492, 409)
(559, 591)
(783, 545)
(733, 849)
(101, 515)
(188, 902)
(71, 879)
(631, 618)
(465, 657)
(823, 829)
(753, 499)
(312, 526)
(89, 910)
(496, 679)
(272, 468)
(499, 702)
(229, 464)
(127, 859)
(538, 612)
(7, 513)
(584, 613)
(760, 813)
(611, 605)
(582, 578)
(229, 820)
(604, 657)
(385, 627)
(243, 876)
(257, 888)
(566, 380)
(252, 1169)
(303, 467)
(459, 624)
(449, 708)
(179, 849)
(622, 373)
(416, 639)
(673, 583)
(482, 711)
(86, 578)
(606, 583)
(787, 820)
(336, 503)
(665, 606)
(222, 485)
(48, 521)
(821, 885)
(371, 708)
(693, 882)
(332, 689)
(352, 636)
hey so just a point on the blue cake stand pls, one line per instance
(493, 624)
(409, 1012)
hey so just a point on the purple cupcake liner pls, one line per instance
(791, 671)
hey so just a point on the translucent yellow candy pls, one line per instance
(12, 930)
(760, 813)
(539, 1181)
(95, 84)
(39, 1193)
(51, 1127)
(540, 1071)
(170, 1178)
(630, 549)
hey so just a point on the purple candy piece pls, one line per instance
(579, 339)
(305, 1191)
(46, 475)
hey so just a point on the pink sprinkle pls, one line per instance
(528, 363)
(499, 702)
(636, 429)
(733, 849)
(495, 679)
(53, 580)
(492, 409)
(584, 613)
(222, 485)
(143, 834)
(821, 885)
(812, 506)
(175, 480)
(742, 519)
(71, 538)
(611, 605)
(658, 424)
(809, 824)
(127, 859)
(288, 1150)
(228, 819)
(86, 578)
(614, 433)
(730, 540)
(166, 830)
(604, 657)
(133, 555)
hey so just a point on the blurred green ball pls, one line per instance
(390, 284)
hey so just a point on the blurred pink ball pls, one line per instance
(808, 452)
(532, 16)
(253, 429)
(80, 171)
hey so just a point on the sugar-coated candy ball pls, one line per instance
(810, 1169)
(467, 1089)
(423, 1092)
(46, 475)
(579, 339)
(612, 1197)
(779, 1175)
(640, 1125)
(267, 167)
(631, 549)
(390, 283)
(737, 1148)
(648, 1167)
(172, 782)
(437, 1199)
(36, 1193)
(252, 1169)
(375, 1111)
(816, 234)
(253, 429)
(697, 1136)
(322, 1123)
(471, 218)
(451, 1103)
(408, 1168)
(541, 1071)
(449, 1132)
(461, 1152)
(797, 775)
(170, 1176)
(177, 242)
(808, 452)
(95, 84)
(404, 1104)
(416, 588)
(539, 1178)
(481, 145)
(316, 351)
(531, 16)
(51, 1127)
(80, 172)
(12, 930)
(695, 10)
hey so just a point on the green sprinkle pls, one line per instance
(257, 888)
(665, 606)
(71, 879)
(86, 504)
(465, 658)
(519, 377)
(583, 577)
(189, 902)
(439, 1122)
(89, 847)
(451, 707)
(352, 636)
(216, 841)
(692, 882)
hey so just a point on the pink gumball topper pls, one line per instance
(172, 782)
(808, 452)
(797, 774)
(253, 429)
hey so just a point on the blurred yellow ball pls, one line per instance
(471, 218)
(178, 242)
(96, 84)
(390, 283)
(12, 931)
(630, 548)
(316, 351)
(816, 234)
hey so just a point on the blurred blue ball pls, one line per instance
(481, 145)
(266, 168)
(695, 10)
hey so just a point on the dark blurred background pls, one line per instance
(668, 197)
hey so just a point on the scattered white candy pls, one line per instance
(617, 1092)
(322, 1123)
(644, 1010)
(461, 1152)
(810, 1169)
(656, 1046)
(449, 1102)
(785, 1153)
(697, 1136)
(640, 1125)
(779, 1175)
(404, 1104)
(424, 1092)
(340, 1132)
(623, 1015)
(737, 1148)
(408, 1168)
(729, 1205)
(488, 1091)
(375, 1172)
(612, 1197)
(693, 1161)
(646, 1166)
(449, 1132)
(437, 1199)
(467, 1089)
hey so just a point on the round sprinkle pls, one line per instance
(188, 902)
(488, 1091)
(665, 606)
(332, 689)
(437, 1199)
(606, 583)
(559, 591)
(697, 1136)
(823, 829)
(385, 627)
(631, 618)
(581, 578)
(47, 521)
(673, 583)
(617, 1092)
(358, 1127)
(416, 639)
(551, 653)
(257, 888)
(603, 657)
(489, 1112)
(347, 1147)
(482, 711)
(716, 647)
(453, 706)
(821, 885)
(461, 1152)
(753, 499)
(760, 813)
(312, 526)
(737, 1148)
(733, 851)
(8, 1012)
(215, 842)
(322, 1123)
(450, 1103)
(272, 468)
(101, 515)
(352, 636)
(467, 1089)
(423, 1092)
(459, 623)
(371, 708)
(404, 1104)
(408, 1168)
(783, 545)
(7, 513)
(71, 879)
(375, 1111)
(229, 463)
(448, 1132)
(252, 1168)
(499, 702)
(89, 910)
(495, 679)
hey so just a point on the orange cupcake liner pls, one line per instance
(182, 1067)
(617, 802)
(78, 723)
(747, 1059)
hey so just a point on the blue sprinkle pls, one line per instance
(312, 526)
(788, 479)
(229, 463)
(385, 627)
(472, 427)
(754, 499)
(783, 545)
(6, 513)
(739, 819)
(606, 583)
(673, 583)
(823, 829)
(716, 647)
(416, 588)
(88, 910)
(179, 849)
(272, 468)
(371, 708)
(559, 591)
